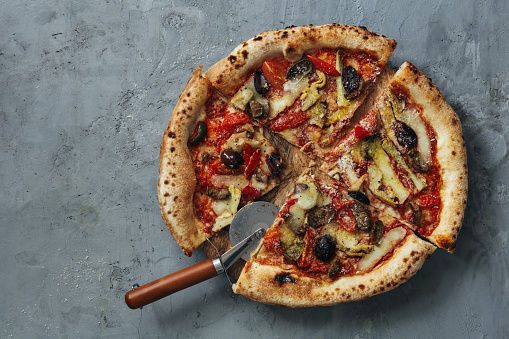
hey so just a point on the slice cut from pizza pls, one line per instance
(214, 159)
(304, 83)
(407, 157)
(326, 248)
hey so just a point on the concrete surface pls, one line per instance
(86, 90)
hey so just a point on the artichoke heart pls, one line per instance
(293, 245)
(310, 95)
(242, 97)
(348, 242)
(381, 172)
(390, 148)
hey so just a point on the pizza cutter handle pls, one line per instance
(163, 287)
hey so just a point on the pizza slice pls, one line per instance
(213, 160)
(326, 248)
(304, 83)
(407, 157)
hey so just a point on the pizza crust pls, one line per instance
(258, 283)
(451, 152)
(230, 73)
(177, 180)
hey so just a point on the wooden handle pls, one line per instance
(170, 284)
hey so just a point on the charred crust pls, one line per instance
(289, 50)
(258, 38)
(245, 54)
(232, 58)
(172, 149)
(284, 35)
(284, 278)
(171, 135)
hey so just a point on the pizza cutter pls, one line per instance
(247, 228)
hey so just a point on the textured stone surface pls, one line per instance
(86, 90)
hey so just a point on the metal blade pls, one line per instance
(233, 254)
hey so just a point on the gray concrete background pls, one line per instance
(86, 90)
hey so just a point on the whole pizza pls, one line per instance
(386, 180)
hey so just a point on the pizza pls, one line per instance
(213, 160)
(326, 248)
(351, 227)
(407, 157)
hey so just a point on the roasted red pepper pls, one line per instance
(323, 66)
(288, 120)
(253, 161)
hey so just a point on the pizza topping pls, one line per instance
(261, 84)
(405, 135)
(352, 82)
(226, 209)
(293, 246)
(200, 134)
(218, 193)
(257, 109)
(377, 232)
(348, 242)
(274, 72)
(359, 196)
(320, 215)
(389, 241)
(325, 248)
(308, 198)
(361, 216)
(382, 172)
(231, 158)
(300, 187)
(242, 97)
(311, 95)
(275, 164)
(390, 149)
(299, 70)
(323, 66)
(417, 161)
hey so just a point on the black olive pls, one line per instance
(260, 83)
(257, 110)
(334, 268)
(218, 193)
(362, 219)
(274, 163)
(417, 161)
(202, 133)
(359, 196)
(377, 232)
(231, 158)
(325, 248)
(352, 82)
(320, 215)
(299, 70)
(299, 188)
(405, 135)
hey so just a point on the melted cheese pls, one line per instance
(415, 122)
(307, 199)
(292, 90)
(390, 240)
(226, 209)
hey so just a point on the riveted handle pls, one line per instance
(170, 284)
